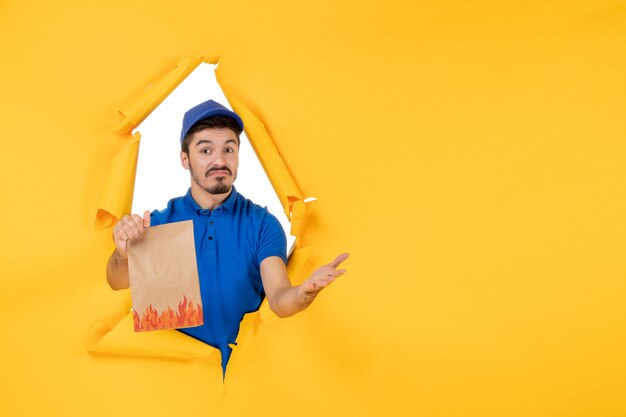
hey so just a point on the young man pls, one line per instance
(240, 246)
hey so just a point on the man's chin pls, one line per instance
(219, 189)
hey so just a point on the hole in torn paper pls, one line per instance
(160, 176)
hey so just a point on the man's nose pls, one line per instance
(220, 159)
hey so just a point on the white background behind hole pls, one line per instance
(160, 175)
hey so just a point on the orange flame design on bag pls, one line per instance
(187, 315)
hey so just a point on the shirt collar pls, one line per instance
(226, 205)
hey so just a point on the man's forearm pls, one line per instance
(289, 301)
(117, 271)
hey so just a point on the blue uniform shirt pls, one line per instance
(231, 241)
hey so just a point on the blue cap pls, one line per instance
(204, 110)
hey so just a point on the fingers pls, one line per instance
(339, 259)
(339, 272)
(332, 275)
(312, 288)
(130, 227)
(324, 276)
(320, 282)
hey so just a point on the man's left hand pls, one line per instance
(320, 279)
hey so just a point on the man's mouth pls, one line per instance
(222, 171)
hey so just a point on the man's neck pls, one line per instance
(207, 200)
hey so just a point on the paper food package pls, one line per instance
(164, 283)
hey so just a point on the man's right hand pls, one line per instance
(128, 228)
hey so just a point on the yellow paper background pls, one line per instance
(469, 155)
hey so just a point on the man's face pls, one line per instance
(213, 159)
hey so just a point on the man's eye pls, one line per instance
(205, 151)
(229, 150)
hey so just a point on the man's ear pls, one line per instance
(184, 160)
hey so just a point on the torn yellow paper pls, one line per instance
(115, 338)
(134, 113)
(278, 173)
(164, 344)
(117, 195)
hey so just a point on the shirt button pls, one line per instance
(211, 223)
(210, 237)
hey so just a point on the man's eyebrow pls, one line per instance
(203, 141)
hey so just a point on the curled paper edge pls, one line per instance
(117, 194)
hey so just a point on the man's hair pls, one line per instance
(213, 122)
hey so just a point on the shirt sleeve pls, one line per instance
(156, 218)
(272, 240)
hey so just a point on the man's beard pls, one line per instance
(219, 188)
